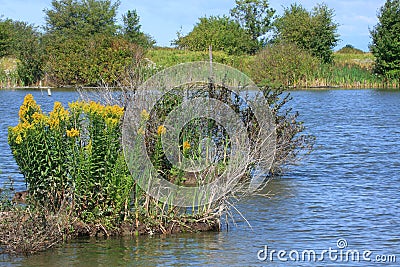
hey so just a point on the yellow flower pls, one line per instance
(141, 131)
(28, 108)
(111, 122)
(161, 130)
(113, 111)
(38, 117)
(76, 106)
(73, 133)
(145, 115)
(18, 139)
(186, 145)
(23, 110)
(117, 111)
(88, 147)
(57, 115)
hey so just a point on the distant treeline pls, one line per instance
(81, 44)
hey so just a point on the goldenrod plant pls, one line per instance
(73, 155)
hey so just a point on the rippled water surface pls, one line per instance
(348, 189)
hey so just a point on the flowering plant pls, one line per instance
(73, 155)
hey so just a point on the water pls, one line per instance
(348, 189)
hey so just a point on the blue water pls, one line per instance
(348, 189)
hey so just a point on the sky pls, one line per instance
(162, 19)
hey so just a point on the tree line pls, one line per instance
(82, 43)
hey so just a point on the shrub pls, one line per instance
(283, 64)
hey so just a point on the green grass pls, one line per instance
(167, 57)
(350, 70)
(8, 63)
(365, 60)
(8, 72)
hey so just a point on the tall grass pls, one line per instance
(167, 57)
(8, 72)
(349, 70)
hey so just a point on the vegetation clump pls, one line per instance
(78, 179)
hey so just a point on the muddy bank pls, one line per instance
(27, 232)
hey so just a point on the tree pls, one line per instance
(90, 61)
(5, 37)
(254, 16)
(131, 30)
(29, 51)
(81, 17)
(386, 40)
(222, 33)
(83, 46)
(349, 49)
(21, 41)
(314, 31)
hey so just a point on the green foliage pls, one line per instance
(348, 70)
(73, 157)
(314, 31)
(222, 33)
(254, 16)
(30, 53)
(168, 57)
(5, 37)
(131, 30)
(22, 41)
(84, 61)
(283, 64)
(349, 49)
(386, 40)
(83, 46)
(81, 17)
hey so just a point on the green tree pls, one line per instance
(132, 32)
(90, 61)
(386, 40)
(349, 49)
(5, 37)
(255, 16)
(29, 51)
(83, 46)
(81, 17)
(222, 33)
(314, 31)
(22, 41)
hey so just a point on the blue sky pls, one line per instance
(163, 18)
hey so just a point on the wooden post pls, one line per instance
(211, 59)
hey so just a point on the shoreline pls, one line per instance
(291, 88)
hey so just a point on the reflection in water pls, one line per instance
(348, 188)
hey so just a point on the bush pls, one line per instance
(73, 156)
(222, 33)
(90, 61)
(283, 64)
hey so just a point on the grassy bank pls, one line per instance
(349, 70)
